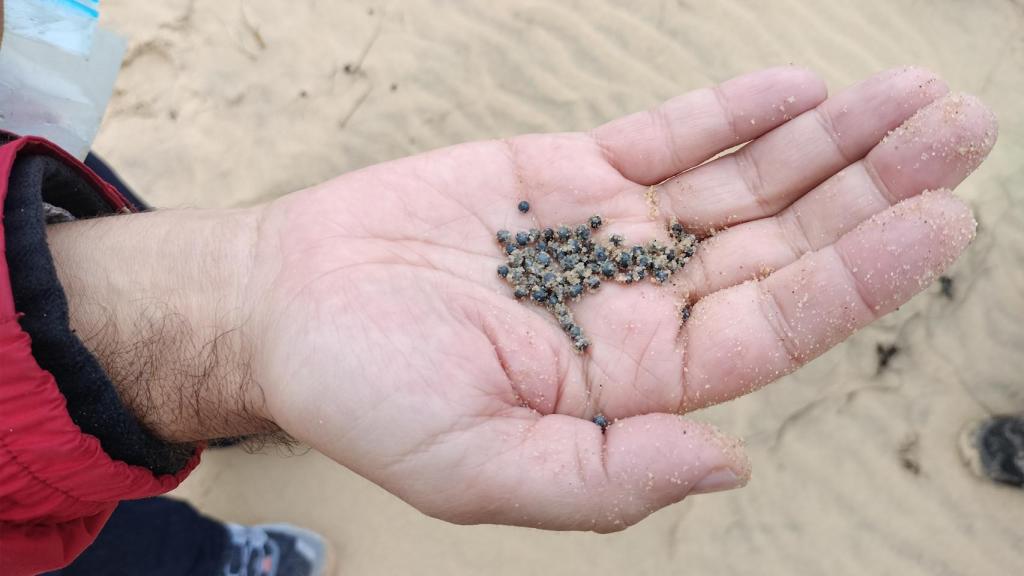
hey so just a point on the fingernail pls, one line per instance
(717, 481)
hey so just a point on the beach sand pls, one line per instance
(856, 469)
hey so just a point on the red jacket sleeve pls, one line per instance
(57, 484)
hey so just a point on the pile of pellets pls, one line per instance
(555, 266)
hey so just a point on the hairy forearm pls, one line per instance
(160, 299)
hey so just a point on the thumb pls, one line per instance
(563, 473)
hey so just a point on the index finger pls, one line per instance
(744, 337)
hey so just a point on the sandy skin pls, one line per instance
(427, 322)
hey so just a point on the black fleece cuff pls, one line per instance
(92, 400)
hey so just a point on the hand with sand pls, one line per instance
(364, 316)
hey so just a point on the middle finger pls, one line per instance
(937, 148)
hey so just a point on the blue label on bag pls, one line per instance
(66, 24)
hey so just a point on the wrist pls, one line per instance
(161, 299)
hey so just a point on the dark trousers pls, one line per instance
(154, 537)
(157, 536)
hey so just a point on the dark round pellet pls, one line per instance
(555, 266)
(601, 421)
(684, 312)
(524, 206)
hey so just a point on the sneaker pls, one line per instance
(276, 550)
(994, 449)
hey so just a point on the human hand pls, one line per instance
(364, 315)
(389, 343)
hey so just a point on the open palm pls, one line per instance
(388, 342)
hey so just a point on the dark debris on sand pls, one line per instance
(555, 266)
(946, 287)
(885, 353)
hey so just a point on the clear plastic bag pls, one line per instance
(68, 24)
(57, 71)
